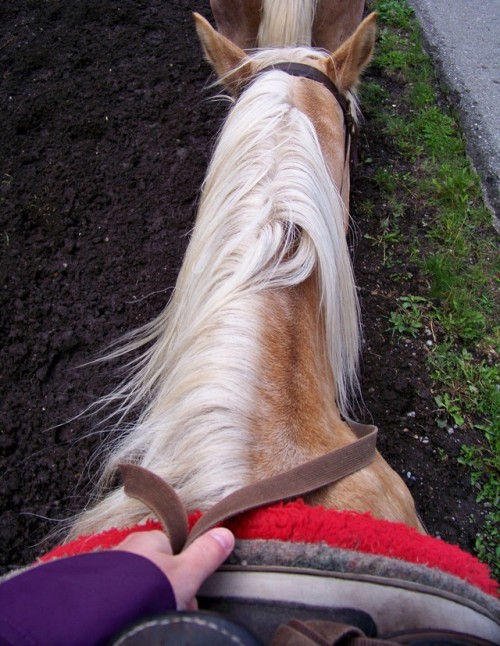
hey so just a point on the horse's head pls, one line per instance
(323, 86)
(263, 23)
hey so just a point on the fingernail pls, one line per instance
(224, 537)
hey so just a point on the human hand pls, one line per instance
(188, 570)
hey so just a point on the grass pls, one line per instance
(460, 263)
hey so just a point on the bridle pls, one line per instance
(311, 73)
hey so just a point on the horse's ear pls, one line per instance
(335, 21)
(348, 61)
(230, 63)
(238, 20)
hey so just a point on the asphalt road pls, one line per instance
(463, 37)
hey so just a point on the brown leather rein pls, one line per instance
(164, 502)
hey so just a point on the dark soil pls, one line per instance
(106, 133)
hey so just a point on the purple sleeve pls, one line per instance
(81, 600)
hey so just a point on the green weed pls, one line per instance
(390, 56)
(474, 383)
(443, 456)
(485, 468)
(394, 13)
(386, 180)
(422, 94)
(372, 94)
(407, 319)
(448, 408)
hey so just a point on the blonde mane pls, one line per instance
(286, 23)
(269, 217)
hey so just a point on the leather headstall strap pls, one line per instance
(313, 74)
(164, 502)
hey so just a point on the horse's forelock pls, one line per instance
(285, 23)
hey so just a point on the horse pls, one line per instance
(325, 24)
(251, 369)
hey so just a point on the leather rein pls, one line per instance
(164, 502)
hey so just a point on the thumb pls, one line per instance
(199, 561)
(208, 552)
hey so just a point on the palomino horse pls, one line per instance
(287, 23)
(250, 369)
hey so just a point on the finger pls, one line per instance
(208, 552)
(202, 558)
(193, 605)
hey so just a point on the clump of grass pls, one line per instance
(422, 94)
(460, 260)
(394, 14)
(407, 319)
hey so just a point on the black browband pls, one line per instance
(313, 74)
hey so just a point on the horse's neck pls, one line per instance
(296, 417)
